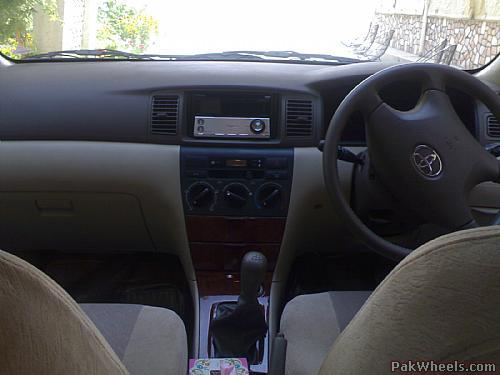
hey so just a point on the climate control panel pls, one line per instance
(236, 182)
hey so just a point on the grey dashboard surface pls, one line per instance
(111, 101)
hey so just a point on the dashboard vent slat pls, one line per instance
(165, 114)
(493, 126)
(299, 118)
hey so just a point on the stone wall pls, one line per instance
(406, 30)
(477, 40)
(459, 9)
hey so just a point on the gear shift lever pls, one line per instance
(237, 327)
(253, 271)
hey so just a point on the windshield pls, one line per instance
(462, 33)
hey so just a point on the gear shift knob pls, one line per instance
(253, 271)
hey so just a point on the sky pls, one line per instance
(309, 26)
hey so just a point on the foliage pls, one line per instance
(124, 27)
(8, 46)
(17, 22)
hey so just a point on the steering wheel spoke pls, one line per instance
(383, 119)
(433, 80)
(437, 103)
(369, 102)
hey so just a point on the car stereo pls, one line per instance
(231, 115)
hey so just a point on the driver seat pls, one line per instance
(441, 303)
(44, 331)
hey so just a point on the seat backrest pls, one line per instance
(440, 303)
(372, 34)
(377, 50)
(43, 330)
(448, 54)
(435, 54)
(369, 40)
(438, 55)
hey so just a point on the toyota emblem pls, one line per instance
(427, 161)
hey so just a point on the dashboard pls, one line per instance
(237, 123)
(87, 144)
(159, 102)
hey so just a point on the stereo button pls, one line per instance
(276, 163)
(196, 174)
(216, 163)
(276, 175)
(256, 163)
(257, 126)
(196, 162)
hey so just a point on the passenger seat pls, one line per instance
(148, 340)
(312, 322)
(44, 331)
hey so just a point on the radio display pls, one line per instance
(232, 105)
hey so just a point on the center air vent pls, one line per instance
(299, 118)
(165, 114)
(493, 126)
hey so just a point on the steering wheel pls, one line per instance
(425, 157)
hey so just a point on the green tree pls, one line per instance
(124, 28)
(16, 22)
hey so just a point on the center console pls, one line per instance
(236, 179)
(235, 201)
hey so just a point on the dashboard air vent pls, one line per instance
(299, 118)
(165, 114)
(493, 126)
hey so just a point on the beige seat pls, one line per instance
(441, 303)
(312, 322)
(44, 331)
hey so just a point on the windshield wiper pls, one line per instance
(119, 55)
(88, 54)
(284, 56)
(298, 56)
(227, 56)
(289, 56)
(104, 54)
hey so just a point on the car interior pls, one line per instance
(308, 218)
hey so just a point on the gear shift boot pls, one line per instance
(238, 327)
(238, 332)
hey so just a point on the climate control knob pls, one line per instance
(269, 196)
(200, 195)
(236, 195)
